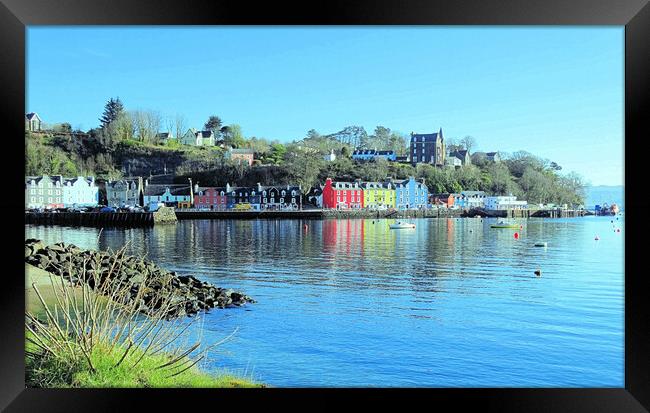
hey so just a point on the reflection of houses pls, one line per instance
(33, 122)
(342, 195)
(279, 198)
(428, 148)
(125, 192)
(373, 154)
(210, 198)
(411, 194)
(496, 203)
(378, 195)
(240, 156)
(80, 191)
(44, 191)
(343, 236)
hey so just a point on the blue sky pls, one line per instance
(554, 91)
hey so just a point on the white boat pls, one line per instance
(402, 225)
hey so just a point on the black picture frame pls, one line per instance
(15, 15)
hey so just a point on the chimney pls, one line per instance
(259, 187)
(196, 187)
(227, 187)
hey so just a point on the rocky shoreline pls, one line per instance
(189, 295)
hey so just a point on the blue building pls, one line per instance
(411, 194)
(373, 154)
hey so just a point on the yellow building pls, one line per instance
(377, 195)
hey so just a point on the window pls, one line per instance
(264, 193)
(293, 200)
(282, 200)
(33, 199)
(293, 193)
(265, 200)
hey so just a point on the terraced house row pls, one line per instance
(396, 194)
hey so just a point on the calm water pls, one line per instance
(353, 303)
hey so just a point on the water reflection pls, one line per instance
(452, 302)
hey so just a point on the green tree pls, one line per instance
(112, 110)
(214, 124)
(276, 156)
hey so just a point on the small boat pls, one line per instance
(503, 224)
(401, 225)
(541, 244)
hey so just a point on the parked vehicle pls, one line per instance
(107, 209)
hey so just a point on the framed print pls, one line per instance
(255, 202)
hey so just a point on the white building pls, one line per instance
(330, 157)
(496, 203)
(80, 191)
(44, 191)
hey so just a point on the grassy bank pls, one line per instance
(82, 336)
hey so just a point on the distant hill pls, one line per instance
(598, 195)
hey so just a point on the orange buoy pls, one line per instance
(516, 235)
(618, 230)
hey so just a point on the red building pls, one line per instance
(442, 200)
(210, 198)
(342, 195)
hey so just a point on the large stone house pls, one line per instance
(80, 191)
(44, 191)
(33, 122)
(428, 148)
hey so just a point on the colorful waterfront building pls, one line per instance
(80, 191)
(411, 194)
(342, 195)
(169, 195)
(497, 203)
(445, 200)
(44, 191)
(378, 195)
(243, 198)
(373, 154)
(280, 198)
(210, 198)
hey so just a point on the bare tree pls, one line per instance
(468, 143)
(147, 124)
(180, 125)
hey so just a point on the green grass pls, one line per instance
(81, 336)
(51, 372)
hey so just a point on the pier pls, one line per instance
(102, 219)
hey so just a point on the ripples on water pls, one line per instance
(353, 303)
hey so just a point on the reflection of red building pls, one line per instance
(342, 195)
(343, 235)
